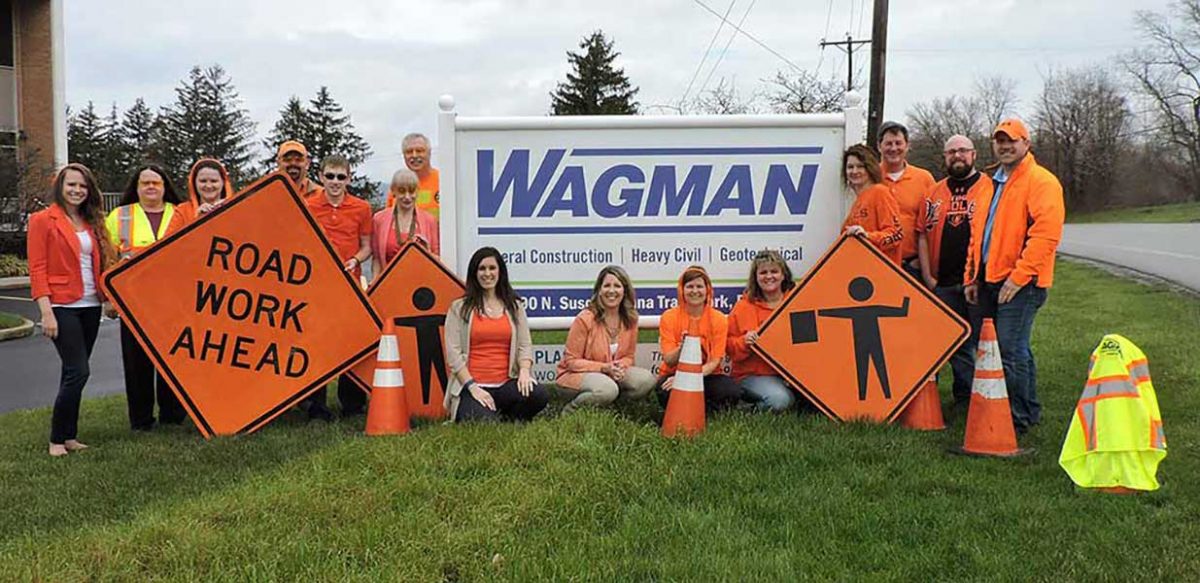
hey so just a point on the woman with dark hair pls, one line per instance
(208, 188)
(68, 249)
(770, 278)
(874, 214)
(488, 348)
(598, 361)
(146, 210)
(695, 315)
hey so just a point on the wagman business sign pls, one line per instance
(562, 202)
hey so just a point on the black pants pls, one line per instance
(720, 392)
(511, 405)
(352, 398)
(77, 329)
(142, 384)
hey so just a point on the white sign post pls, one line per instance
(561, 197)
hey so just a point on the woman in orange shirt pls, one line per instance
(875, 214)
(598, 361)
(488, 348)
(695, 315)
(208, 188)
(400, 222)
(68, 248)
(770, 279)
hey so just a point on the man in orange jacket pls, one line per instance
(1010, 262)
(909, 185)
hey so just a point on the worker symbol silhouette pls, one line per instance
(430, 355)
(864, 320)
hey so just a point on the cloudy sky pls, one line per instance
(388, 61)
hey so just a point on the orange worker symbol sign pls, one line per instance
(245, 311)
(859, 336)
(415, 291)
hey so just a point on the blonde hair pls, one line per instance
(405, 180)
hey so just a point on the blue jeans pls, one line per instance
(962, 362)
(1014, 326)
(768, 393)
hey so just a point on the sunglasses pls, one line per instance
(332, 176)
(150, 183)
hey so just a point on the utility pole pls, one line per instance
(878, 66)
(848, 46)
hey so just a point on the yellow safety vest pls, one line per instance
(1116, 436)
(129, 228)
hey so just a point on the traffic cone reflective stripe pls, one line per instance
(388, 410)
(989, 419)
(924, 412)
(685, 405)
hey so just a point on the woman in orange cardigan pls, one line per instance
(695, 315)
(875, 214)
(598, 364)
(770, 279)
(208, 188)
(68, 249)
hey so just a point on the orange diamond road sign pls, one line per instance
(246, 311)
(858, 336)
(415, 291)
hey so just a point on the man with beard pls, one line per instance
(294, 161)
(943, 236)
(909, 185)
(416, 156)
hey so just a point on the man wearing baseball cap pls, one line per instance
(909, 185)
(1010, 262)
(293, 160)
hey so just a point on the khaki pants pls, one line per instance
(598, 389)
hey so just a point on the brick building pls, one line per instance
(32, 106)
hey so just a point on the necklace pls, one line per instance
(612, 329)
(493, 312)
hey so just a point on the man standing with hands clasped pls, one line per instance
(1010, 263)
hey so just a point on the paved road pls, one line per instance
(29, 367)
(1170, 251)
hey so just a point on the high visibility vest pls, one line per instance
(129, 228)
(1116, 435)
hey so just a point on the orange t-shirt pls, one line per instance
(910, 191)
(343, 224)
(487, 357)
(875, 211)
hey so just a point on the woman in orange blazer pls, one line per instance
(68, 248)
(208, 188)
(598, 362)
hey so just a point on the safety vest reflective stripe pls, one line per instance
(1158, 439)
(1096, 390)
(125, 231)
(1139, 370)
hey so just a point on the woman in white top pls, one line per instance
(68, 248)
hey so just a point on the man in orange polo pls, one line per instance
(944, 233)
(416, 156)
(1010, 263)
(909, 185)
(346, 221)
(293, 160)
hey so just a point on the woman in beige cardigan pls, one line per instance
(597, 366)
(488, 348)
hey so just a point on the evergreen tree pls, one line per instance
(594, 86)
(324, 128)
(111, 173)
(87, 135)
(138, 139)
(206, 120)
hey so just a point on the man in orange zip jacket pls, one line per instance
(1010, 262)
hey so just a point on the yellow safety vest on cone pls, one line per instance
(1116, 437)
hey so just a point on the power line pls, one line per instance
(755, 40)
(821, 59)
(703, 58)
(721, 56)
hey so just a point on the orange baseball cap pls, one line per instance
(1013, 128)
(292, 146)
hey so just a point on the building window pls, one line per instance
(8, 75)
(7, 45)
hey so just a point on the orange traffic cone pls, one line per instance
(388, 411)
(924, 412)
(989, 419)
(685, 405)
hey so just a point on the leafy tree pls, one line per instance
(802, 92)
(594, 86)
(324, 128)
(206, 120)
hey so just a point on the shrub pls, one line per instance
(13, 266)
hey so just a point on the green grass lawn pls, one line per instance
(8, 320)
(1188, 212)
(600, 496)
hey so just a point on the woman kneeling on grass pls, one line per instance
(695, 316)
(770, 279)
(489, 349)
(598, 363)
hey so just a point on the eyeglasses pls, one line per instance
(148, 183)
(332, 176)
(958, 151)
